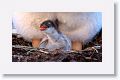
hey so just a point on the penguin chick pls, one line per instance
(53, 39)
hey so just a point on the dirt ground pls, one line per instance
(22, 51)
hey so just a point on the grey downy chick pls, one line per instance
(53, 39)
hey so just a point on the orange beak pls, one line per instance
(42, 28)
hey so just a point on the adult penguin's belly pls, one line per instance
(82, 26)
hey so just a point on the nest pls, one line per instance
(22, 51)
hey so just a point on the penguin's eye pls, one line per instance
(49, 23)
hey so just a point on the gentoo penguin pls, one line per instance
(53, 38)
(80, 27)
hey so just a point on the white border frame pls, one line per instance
(104, 67)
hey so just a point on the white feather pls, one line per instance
(81, 26)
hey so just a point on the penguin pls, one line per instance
(53, 38)
(79, 27)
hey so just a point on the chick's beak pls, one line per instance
(42, 28)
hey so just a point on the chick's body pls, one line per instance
(56, 41)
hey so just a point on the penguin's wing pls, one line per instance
(43, 43)
(65, 42)
(68, 44)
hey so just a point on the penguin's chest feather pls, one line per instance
(54, 43)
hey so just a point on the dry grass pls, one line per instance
(22, 51)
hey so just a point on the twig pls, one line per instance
(19, 46)
(43, 51)
(92, 48)
(29, 48)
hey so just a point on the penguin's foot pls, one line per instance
(36, 42)
(76, 45)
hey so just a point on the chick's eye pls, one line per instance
(49, 23)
